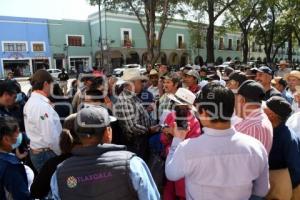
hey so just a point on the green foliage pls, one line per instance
(149, 13)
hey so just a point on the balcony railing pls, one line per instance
(127, 43)
(181, 46)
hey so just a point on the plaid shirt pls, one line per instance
(164, 104)
(133, 117)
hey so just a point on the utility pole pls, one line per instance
(100, 35)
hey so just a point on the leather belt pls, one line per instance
(40, 150)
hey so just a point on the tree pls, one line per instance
(150, 14)
(243, 14)
(214, 9)
(290, 19)
(196, 30)
(266, 29)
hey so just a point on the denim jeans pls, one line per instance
(38, 160)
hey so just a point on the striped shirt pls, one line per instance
(258, 126)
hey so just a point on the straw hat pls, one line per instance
(283, 62)
(183, 97)
(293, 73)
(132, 74)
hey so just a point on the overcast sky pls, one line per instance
(51, 9)
(56, 9)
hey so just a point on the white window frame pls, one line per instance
(122, 35)
(38, 42)
(177, 39)
(82, 39)
(15, 42)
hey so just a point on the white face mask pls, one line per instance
(235, 91)
(19, 97)
(18, 142)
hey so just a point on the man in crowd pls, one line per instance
(191, 79)
(130, 111)
(153, 88)
(98, 169)
(171, 84)
(42, 123)
(203, 73)
(285, 152)
(8, 96)
(255, 122)
(222, 163)
(293, 80)
(283, 69)
(281, 85)
(163, 70)
(236, 79)
(264, 76)
(63, 81)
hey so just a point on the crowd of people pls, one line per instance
(195, 133)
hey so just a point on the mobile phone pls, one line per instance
(182, 112)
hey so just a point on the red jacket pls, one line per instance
(195, 131)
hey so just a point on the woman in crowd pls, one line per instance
(14, 181)
(184, 100)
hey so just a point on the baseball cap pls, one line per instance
(279, 106)
(92, 119)
(264, 69)
(193, 73)
(172, 76)
(252, 90)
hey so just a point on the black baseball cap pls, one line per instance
(280, 107)
(252, 91)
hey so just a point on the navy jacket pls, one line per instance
(285, 152)
(13, 179)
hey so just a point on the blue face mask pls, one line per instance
(19, 97)
(18, 142)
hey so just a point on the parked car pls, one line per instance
(119, 71)
(54, 72)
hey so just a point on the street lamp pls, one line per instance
(100, 35)
(66, 49)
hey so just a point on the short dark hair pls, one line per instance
(8, 125)
(97, 95)
(39, 78)
(282, 82)
(217, 100)
(7, 86)
(239, 77)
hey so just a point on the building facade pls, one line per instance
(29, 44)
(70, 43)
(24, 46)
